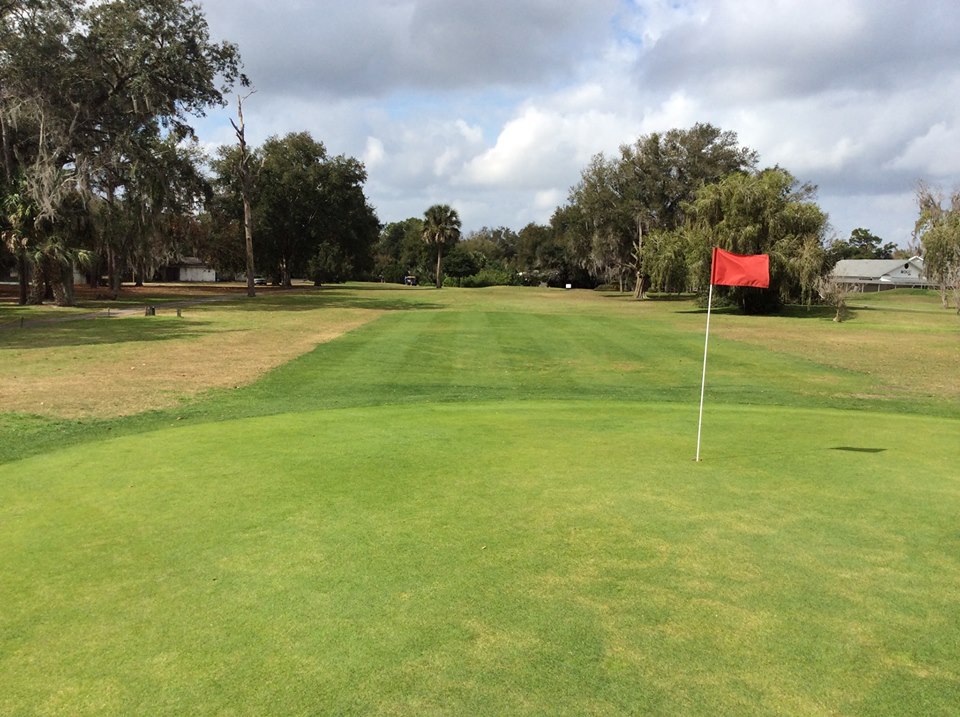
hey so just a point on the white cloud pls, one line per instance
(472, 134)
(548, 199)
(374, 154)
(931, 153)
(499, 105)
(367, 47)
(519, 150)
(542, 146)
(890, 216)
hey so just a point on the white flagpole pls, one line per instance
(703, 381)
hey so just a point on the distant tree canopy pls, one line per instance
(441, 228)
(765, 212)
(400, 251)
(862, 244)
(309, 209)
(653, 213)
(938, 230)
(114, 182)
(650, 216)
(99, 167)
(647, 189)
(94, 101)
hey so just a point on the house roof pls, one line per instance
(876, 269)
(186, 261)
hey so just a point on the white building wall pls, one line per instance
(197, 273)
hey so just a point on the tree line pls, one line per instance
(100, 162)
(646, 219)
(102, 171)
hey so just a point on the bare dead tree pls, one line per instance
(247, 177)
(835, 291)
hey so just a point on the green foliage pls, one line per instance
(660, 173)
(762, 213)
(938, 230)
(441, 228)
(288, 196)
(95, 75)
(97, 98)
(305, 203)
(460, 263)
(862, 244)
(537, 254)
(329, 264)
(400, 251)
(665, 260)
(653, 214)
(645, 191)
(501, 245)
(490, 276)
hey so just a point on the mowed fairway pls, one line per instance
(485, 502)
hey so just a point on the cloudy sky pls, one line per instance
(495, 106)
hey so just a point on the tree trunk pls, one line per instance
(439, 254)
(7, 154)
(38, 288)
(248, 240)
(116, 273)
(38, 283)
(246, 181)
(638, 287)
(23, 279)
(61, 282)
(140, 270)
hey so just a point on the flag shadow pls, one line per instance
(857, 449)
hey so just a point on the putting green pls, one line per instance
(492, 558)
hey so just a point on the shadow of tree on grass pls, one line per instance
(91, 331)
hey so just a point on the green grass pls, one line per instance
(485, 503)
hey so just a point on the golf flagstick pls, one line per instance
(703, 381)
(729, 269)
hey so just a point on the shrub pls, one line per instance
(489, 277)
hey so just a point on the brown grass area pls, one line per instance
(910, 362)
(214, 347)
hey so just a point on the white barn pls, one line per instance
(189, 268)
(880, 274)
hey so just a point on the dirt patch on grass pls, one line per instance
(164, 360)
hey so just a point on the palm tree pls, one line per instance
(20, 214)
(441, 225)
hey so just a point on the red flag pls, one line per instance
(739, 270)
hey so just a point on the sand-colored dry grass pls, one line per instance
(210, 346)
(907, 352)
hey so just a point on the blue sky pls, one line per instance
(495, 107)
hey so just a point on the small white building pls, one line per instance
(189, 268)
(880, 274)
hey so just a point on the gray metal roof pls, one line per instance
(876, 268)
